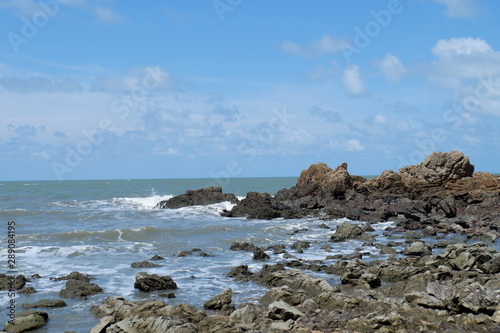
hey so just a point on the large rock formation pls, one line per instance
(204, 196)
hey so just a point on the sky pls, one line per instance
(103, 89)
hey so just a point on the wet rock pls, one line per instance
(184, 253)
(277, 249)
(323, 226)
(301, 245)
(79, 288)
(417, 249)
(255, 206)
(204, 196)
(259, 254)
(217, 302)
(241, 273)
(242, 246)
(156, 257)
(72, 276)
(280, 310)
(46, 303)
(346, 231)
(27, 291)
(350, 256)
(384, 249)
(143, 264)
(27, 321)
(152, 282)
(12, 282)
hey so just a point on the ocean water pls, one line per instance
(100, 227)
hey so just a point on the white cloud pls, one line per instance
(33, 84)
(470, 139)
(461, 47)
(107, 15)
(380, 119)
(354, 145)
(353, 81)
(459, 8)
(325, 45)
(392, 68)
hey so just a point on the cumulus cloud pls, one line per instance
(461, 47)
(459, 8)
(325, 45)
(392, 68)
(353, 80)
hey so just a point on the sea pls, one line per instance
(100, 227)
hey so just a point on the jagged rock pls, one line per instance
(438, 168)
(255, 206)
(27, 321)
(143, 264)
(240, 273)
(259, 254)
(218, 301)
(346, 231)
(204, 196)
(79, 288)
(300, 245)
(11, 282)
(417, 249)
(246, 316)
(156, 257)
(151, 282)
(27, 291)
(477, 298)
(280, 310)
(72, 276)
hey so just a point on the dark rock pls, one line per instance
(277, 249)
(12, 282)
(28, 291)
(79, 288)
(241, 273)
(242, 246)
(204, 196)
(217, 302)
(384, 249)
(323, 226)
(259, 254)
(36, 276)
(156, 257)
(255, 206)
(152, 282)
(301, 245)
(184, 253)
(417, 249)
(204, 254)
(350, 256)
(143, 264)
(72, 276)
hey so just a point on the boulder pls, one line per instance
(255, 206)
(26, 321)
(12, 282)
(417, 249)
(246, 316)
(80, 288)
(437, 169)
(259, 254)
(151, 282)
(346, 231)
(46, 303)
(204, 196)
(218, 301)
(72, 276)
(143, 264)
(242, 246)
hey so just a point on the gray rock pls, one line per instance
(80, 288)
(280, 310)
(346, 231)
(143, 264)
(11, 282)
(259, 254)
(217, 302)
(246, 316)
(242, 246)
(27, 321)
(46, 303)
(417, 249)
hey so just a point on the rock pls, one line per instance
(152, 282)
(477, 298)
(46, 303)
(217, 302)
(346, 231)
(417, 249)
(72, 276)
(27, 291)
(12, 282)
(156, 257)
(184, 254)
(143, 264)
(277, 249)
(246, 316)
(103, 324)
(204, 196)
(241, 273)
(438, 168)
(280, 310)
(323, 226)
(27, 321)
(300, 245)
(259, 254)
(255, 206)
(242, 246)
(80, 288)
(384, 249)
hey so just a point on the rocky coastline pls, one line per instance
(440, 287)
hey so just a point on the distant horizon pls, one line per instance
(244, 88)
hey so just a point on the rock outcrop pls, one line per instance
(152, 282)
(204, 196)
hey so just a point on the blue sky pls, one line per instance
(93, 89)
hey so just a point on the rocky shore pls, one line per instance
(416, 286)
